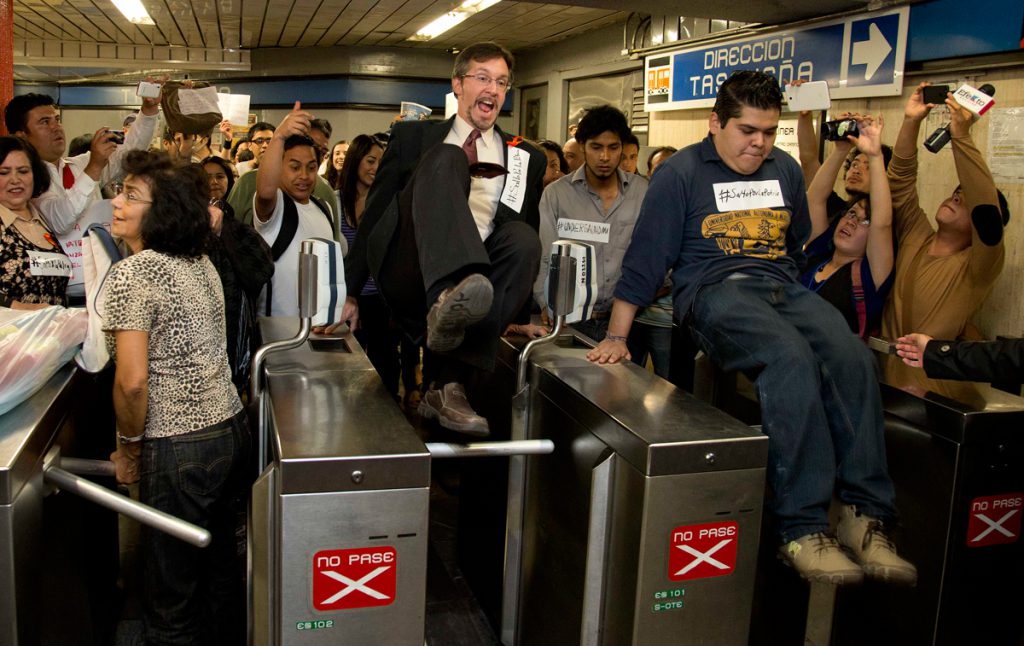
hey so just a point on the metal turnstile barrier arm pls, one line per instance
(490, 449)
(561, 295)
(67, 481)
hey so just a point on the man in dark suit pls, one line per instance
(450, 232)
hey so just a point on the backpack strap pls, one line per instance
(323, 207)
(289, 225)
(858, 300)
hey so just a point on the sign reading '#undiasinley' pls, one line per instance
(858, 56)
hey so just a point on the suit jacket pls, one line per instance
(1001, 360)
(409, 140)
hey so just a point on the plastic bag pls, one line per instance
(34, 344)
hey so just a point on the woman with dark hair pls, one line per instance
(221, 176)
(180, 425)
(850, 261)
(335, 163)
(376, 334)
(557, 166)
(33, 268)
(244, 264)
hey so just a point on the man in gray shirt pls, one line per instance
(597, 204)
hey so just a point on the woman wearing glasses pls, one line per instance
(33, 268)
(850, 262)
(180, 425)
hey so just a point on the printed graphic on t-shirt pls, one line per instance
(759, 233)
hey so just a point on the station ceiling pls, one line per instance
(70, 27)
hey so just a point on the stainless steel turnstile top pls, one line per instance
(27, 429)
(656, 427)
(357, 434)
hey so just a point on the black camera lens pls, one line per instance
(841, 129)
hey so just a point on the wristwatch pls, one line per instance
(129, 439)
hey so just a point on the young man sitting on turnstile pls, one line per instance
(729, 216)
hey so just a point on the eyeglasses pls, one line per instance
(261, 141)
(857, 164)
(131, 198)
(852, 215)
(503, 84)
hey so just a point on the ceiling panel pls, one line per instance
(231, 25)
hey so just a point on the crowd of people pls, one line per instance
(446, 226)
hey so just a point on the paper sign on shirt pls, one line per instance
(47, 263)
(515, 181)
(583, 230)
(738, 196)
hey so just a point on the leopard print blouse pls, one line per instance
(180, 303)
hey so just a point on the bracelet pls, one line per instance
(129, 439)
(612, 337)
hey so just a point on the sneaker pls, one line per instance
(817, 557)
(865, 537)
(456, 309)
(449, 406)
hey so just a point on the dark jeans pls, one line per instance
(437, 243)
(194, 595)
(647, 339)
(820, 403)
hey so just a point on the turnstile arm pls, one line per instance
(490, 449)
(180, 529)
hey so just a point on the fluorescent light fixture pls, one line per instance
(133, 11)
(452, 18)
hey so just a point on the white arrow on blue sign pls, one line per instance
(858, 56)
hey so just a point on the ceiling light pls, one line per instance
(133, 11)
(452, 18)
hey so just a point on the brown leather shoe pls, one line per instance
(450, 407)
(456, 309)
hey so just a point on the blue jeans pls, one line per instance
(194, 595)
(820, 403)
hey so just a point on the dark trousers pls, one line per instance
(437, 243)
(195, 595)
(379, 339)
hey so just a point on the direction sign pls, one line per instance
(858, 56)
(702, 551)
(995, 520)
(354, 578)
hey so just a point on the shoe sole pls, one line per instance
(887, 575)
(469, 302)
(427, 411)
(851, 578)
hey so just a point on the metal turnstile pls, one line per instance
(59, 553)
(338, 536)
(956, 456)
(641, 528)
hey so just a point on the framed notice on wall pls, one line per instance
(1006, 145)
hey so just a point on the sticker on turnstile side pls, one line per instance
(995, 520)
(702, 551)
(356, 578)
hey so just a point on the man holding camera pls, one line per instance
(729, 216)
(943, 275)
(75, 182)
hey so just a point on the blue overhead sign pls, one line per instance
(859, 56)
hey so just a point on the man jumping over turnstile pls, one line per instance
(729, 216)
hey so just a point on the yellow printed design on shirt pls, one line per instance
(760, 233)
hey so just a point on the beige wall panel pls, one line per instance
(1003, 313)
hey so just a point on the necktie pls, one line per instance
(69, 177)
(470, 146)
